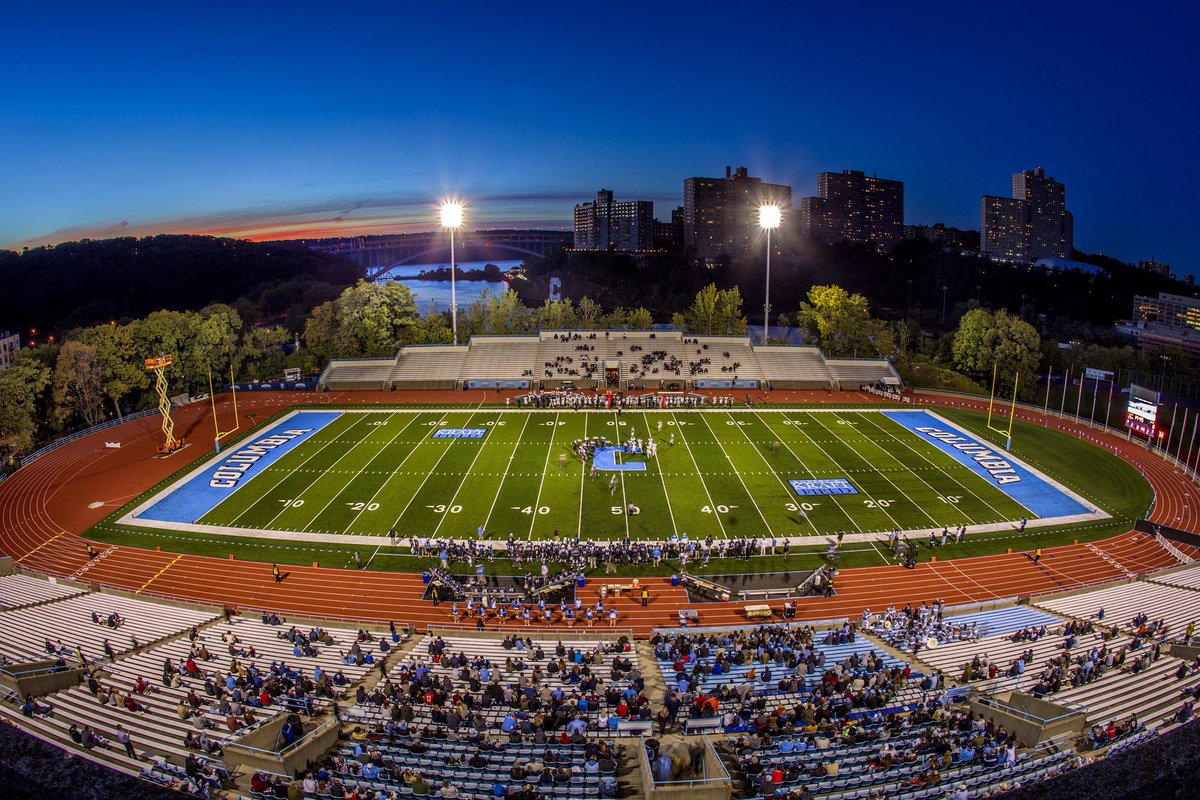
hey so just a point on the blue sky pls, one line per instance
(261, 121)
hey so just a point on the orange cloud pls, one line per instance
(339, 217)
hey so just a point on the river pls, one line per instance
(435, 295)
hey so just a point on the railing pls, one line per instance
(1027, 715)
(57, 443)
(651, 782)
(332, 722)
(1172, 549)
(581, 634)
(403, 628)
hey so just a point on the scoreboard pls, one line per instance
(1141, 415)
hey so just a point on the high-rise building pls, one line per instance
(1034, 223)
(855, 206)
(720, 215)
(10, 345)
(1005, 226)
(608, 225)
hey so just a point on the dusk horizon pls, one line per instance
(291, 126)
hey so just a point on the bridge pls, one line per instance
(378, 254)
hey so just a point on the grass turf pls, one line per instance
(722, 477)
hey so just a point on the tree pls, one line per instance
(372, 319)
(320, 331)
(589, 313)
(988, 340)
(713, 311)
(557, 316)
(639, 319)
(261, 354)
(21, 386)
(840, 323)
(123, 367)
(78, 388)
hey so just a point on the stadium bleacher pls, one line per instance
(1175, 606)
(19, 591)
(603, 677)
(67, 624)
(653, 359)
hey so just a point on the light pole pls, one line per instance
(452, 217)
(769, 218)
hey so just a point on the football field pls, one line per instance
(734, 473)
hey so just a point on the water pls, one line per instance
(435, 295)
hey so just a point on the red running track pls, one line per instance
(46, 505)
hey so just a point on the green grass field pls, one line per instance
(725, 476)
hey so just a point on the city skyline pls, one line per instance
(278, 126)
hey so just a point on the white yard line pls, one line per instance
(661, 477)
(939, 468)
(624, 498)
(842, 467)
(507, 467)
(789, 494)
(363, 469)
(284, 475)
(583, 468)
(298, 495)
(950, 506)
(428, 474)
(733, 467)
(883, 475)
(545, 467)
(461, 483)
(836, 500)
(700, 475)
(403, 461)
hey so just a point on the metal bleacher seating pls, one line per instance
(651, 358)
(158, 732)
(19, 591)
(500, 358)
(437, 366)
(1121, 603)
(67, 624)
(1185, 578)
(852, 373)
(357, 373)
(802, 366)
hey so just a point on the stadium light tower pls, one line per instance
(452, 219)
(769, 217)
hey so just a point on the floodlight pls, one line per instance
(769, 217)
(452, 215)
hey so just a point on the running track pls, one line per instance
(45, 506)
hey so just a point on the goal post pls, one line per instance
(1006, 432)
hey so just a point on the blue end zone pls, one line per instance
(605, 459)
(991, 464)
(459, 433)
(209, 485)
(811, 486)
